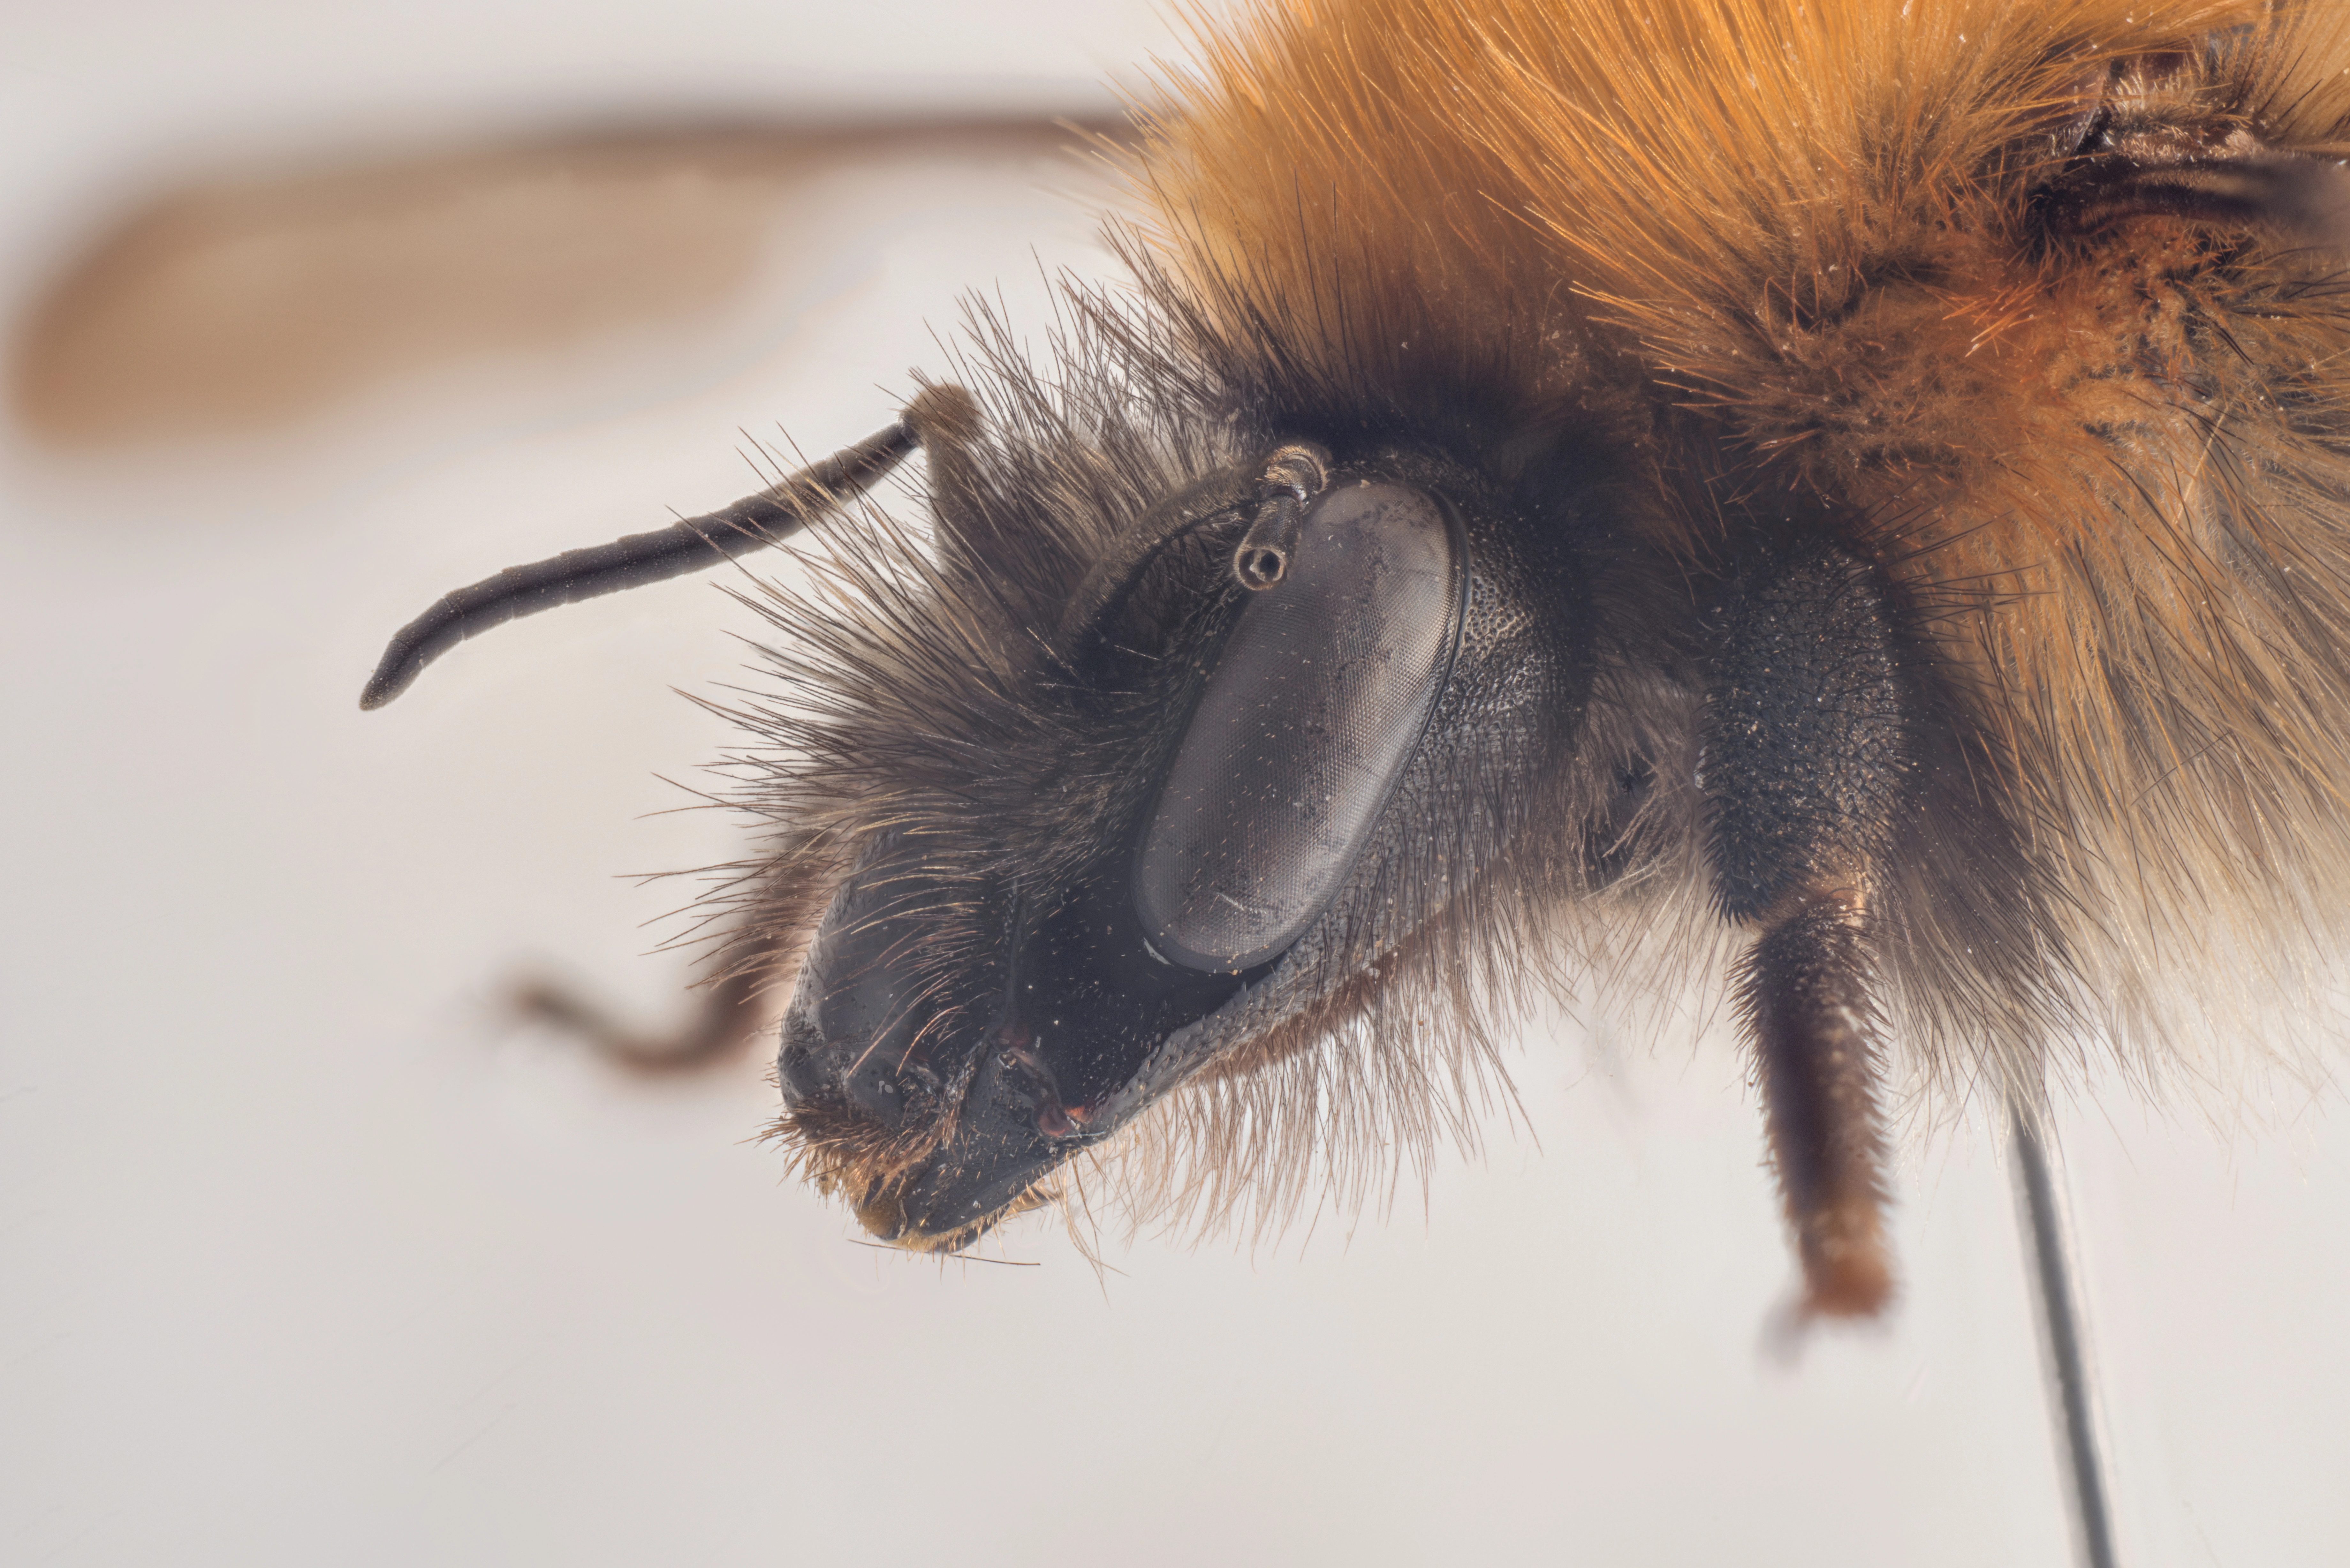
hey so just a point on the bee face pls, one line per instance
(1247, 792)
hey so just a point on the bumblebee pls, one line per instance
(1844, 501)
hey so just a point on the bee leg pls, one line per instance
(1806, 765)
(730, 1010)
(1807, 1002)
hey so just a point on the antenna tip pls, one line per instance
(392, 678)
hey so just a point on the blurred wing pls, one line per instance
(241, 305)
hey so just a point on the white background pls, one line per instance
(311, 1257)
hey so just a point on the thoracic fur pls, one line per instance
(1764, 256)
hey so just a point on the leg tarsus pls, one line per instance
(727, 1016)
(1806, 998)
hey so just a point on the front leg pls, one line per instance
(749, 971)
(726, 1016)
(1808, 762)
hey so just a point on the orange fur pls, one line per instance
(1784, 248)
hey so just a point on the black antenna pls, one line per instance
(2061, 1337)
(692, 545)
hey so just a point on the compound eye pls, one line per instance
(1317, 703)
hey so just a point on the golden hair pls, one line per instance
(1749, 250)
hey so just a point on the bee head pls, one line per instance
(1121, 792)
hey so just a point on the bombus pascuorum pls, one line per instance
(1590, 494)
